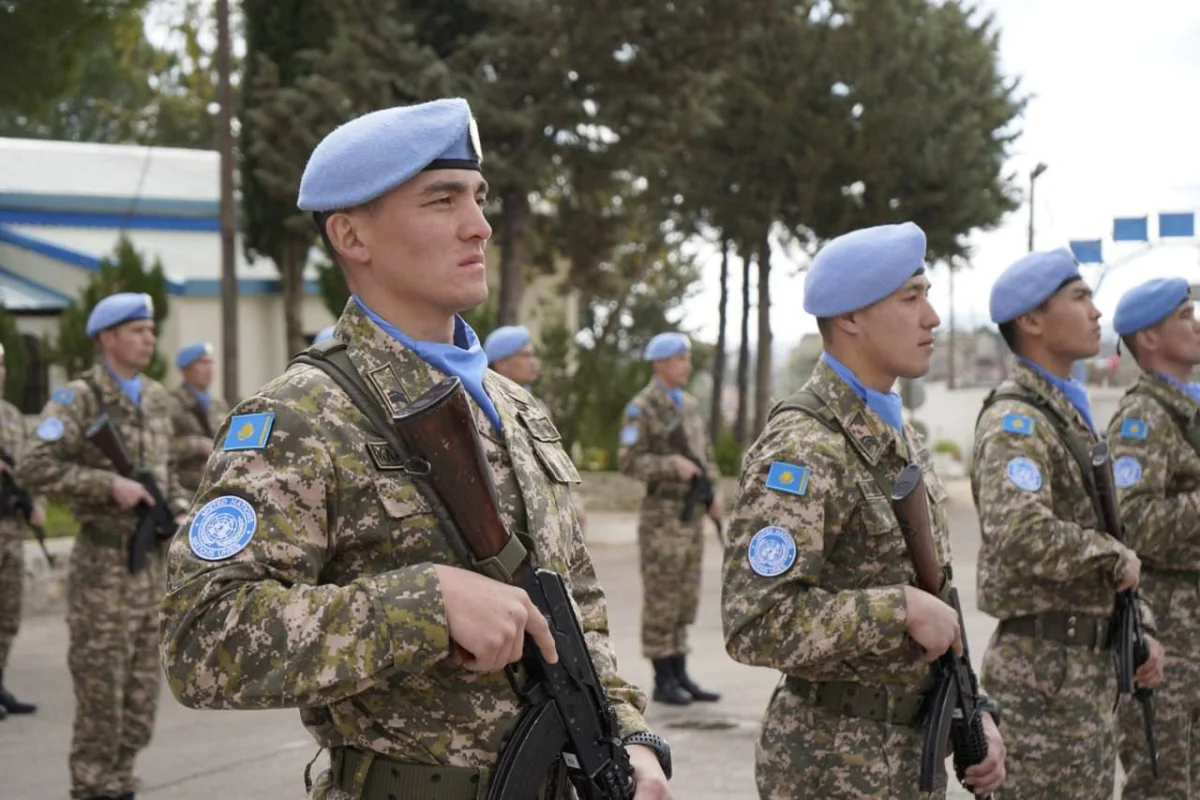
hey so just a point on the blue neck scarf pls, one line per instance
(1075, 391)
(676, 395)
(203, 398)
(132, 387)
(464, 359)
(888, 405)
(1192, 389)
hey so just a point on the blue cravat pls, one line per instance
(464, 359)
(888, 405)
(676, 395)
(1075, 391)
(203, 398)
(132, 387)
(1192, 389)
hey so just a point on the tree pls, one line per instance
(14, 360)
(124, 271)
(718, 371)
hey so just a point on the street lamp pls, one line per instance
(1033, 176)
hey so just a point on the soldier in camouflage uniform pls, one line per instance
(314, 574)
(14, 439)
(671, 549)
(1045, 570)
(1155, 437)
(112, 614)
(818, 583)
(195, 414)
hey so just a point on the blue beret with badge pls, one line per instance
(190, 353)
(1148, 304)
(667, 345)
(1029, 282)
(373, 154)
(505, 341)
(862, 267)
(323, 335)
(117, 309)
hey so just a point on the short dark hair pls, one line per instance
(1129, 344)
(824, 326)
(1008, 332)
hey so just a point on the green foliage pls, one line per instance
(331, 283)
(728, 453)
(14, 360)
(125, 271)
(60, 523)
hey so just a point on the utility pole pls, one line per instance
(1033, 176)
(950, 376)
(229, 288)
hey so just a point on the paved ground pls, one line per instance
(203, 755)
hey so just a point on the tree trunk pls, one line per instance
(295, 254)
(512, 255)
(762, 381)
(718, 369)
(950, 366)
(743, 367)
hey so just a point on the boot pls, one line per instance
(11, 704)
(688, 685)
(666, 684)
(126, 796)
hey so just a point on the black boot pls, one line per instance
(688, 685)
(666, 684)
(11, 704)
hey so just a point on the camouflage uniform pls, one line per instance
(1158, 480)
(837, 616)
(112, 615)
(1048, 575)
(14, 439)
(334, 606)
(671, 550)
(188, 451)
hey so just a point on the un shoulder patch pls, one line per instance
(789, 478)
(633, 411)
(1127, 471)
(1024, 474)
(222, 528)
(772, 552)
(1019, 423)
(63, 396)
(249, 431)
(629, 435)
(1134, 429)
(50, 429)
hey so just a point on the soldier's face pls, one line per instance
(130, 345)
(675, 371)
(1070, 322)
(199, 373)
(897, 332)
(521, 367)
(1179, 336)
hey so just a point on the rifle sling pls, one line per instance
(1189, 431)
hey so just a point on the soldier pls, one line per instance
(14, 438)
(1045, 570)
(818, 583)
(1155, 436)
(314, 573)
(112, 614)
(195, 414)
(671, 549)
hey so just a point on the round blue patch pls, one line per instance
(629, 435)
(63, 396)
(222, 528)
(772, 551)
(1127, 471)
(50, 429)
(1024, 473)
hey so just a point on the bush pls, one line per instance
(950, 448)
(59, 522)
(728, 453)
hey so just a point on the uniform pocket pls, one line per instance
(547, 447)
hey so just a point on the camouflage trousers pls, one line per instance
(1176, 608)
(1058, 721)
(805, 752)
(113, 658)
(12, 577)
(671, 554)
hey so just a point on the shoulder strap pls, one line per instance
(95, 387)
(1190, 431)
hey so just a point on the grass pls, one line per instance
(59, 522)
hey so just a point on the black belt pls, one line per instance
(666, 492)
(1079, 630)
(889, 704)
(388, 779)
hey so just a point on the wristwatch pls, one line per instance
(991, 707)
(662, 750)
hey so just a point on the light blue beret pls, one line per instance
(1029, 282)
(1149, 304)
(323, 334)
(863, 267)
(118, 308)
(188, 354)
(665, 345)
(505, 341)
(377, 152)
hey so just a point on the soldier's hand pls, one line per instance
(207, 446)
(988, 775)
(717, 509)
(1132, 575)
(489, 619)
(5, 469)
(128, 493)
(931, 623)
(685, 469)
(1150, 674)
(37, 516)
(648, 776)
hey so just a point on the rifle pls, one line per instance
(16, 500)
(1127, 631)
(153, 522)
(700, 490)
(952, 713)
(568, 717)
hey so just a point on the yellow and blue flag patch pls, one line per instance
(249, 431)
(1019, 423)
(790, 478)
(1134, 429)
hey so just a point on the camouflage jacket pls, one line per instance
(1158, 475)
(69, 469)
(1040, 549)
(334, 606)
(838, 613)
(14, 440)
(645, 452)
(188, 447)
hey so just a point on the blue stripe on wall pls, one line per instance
(81, 203)
(75, 219)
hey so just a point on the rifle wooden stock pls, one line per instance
(911, 504)
(105, 436)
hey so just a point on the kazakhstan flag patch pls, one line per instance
(249, 431)
(790, 478)
(1019, 423)
(1134, 429)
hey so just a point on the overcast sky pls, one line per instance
(1115, 116)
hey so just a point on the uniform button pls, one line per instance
(1071, 620)
(1071, 633)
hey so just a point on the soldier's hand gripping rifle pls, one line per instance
(1126, 630)
(700, 490)
(567, 717)
(18, 501)
(153, 522)
(952, 712)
